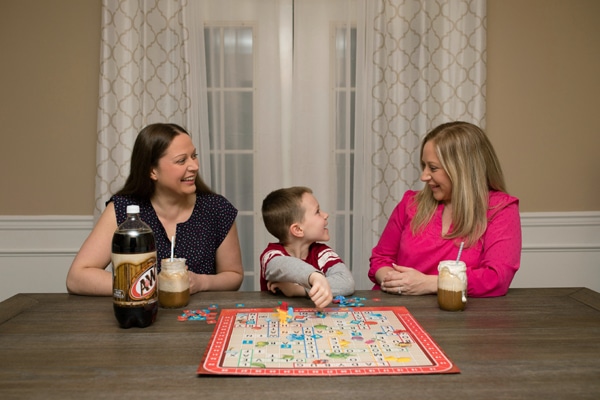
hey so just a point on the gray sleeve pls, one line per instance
(289, 269)
(340, 280)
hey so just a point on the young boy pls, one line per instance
(299, 265)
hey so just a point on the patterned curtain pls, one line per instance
(145, 77)
(421, 63)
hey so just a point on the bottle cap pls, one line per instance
(133, 209)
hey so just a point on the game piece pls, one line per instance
(310, 342)
(355, 301)
(199, 315)
(285, 313)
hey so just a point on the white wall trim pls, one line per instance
(559, 249)
(43, 235)
(36, 251)
(561, 232)
(45, 222)
(562, 248)
(552, 226)
(573, 218)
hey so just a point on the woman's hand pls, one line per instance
(406, 280)
(198, 282)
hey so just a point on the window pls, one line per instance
(344, 97)
(230, 85)
(248, 102)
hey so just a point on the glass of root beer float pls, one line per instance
(173, 283)
(452, 285)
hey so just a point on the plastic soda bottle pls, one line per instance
(135, 294)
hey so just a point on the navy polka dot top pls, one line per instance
(196, 239)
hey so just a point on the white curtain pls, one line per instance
(419, 63)
(145, 77)
(313, 137)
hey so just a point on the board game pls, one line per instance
(308, 342)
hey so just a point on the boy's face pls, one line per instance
(314, 225)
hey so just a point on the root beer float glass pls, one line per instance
(452, 285)
(173, 283)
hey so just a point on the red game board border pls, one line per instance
(215, 351)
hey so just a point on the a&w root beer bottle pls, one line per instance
(135, 295)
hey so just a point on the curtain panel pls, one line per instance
(145, 77)
(419, 64)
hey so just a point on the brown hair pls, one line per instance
(282, 208)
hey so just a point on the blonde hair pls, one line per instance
(469, 159)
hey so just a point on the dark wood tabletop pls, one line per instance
(529, 344)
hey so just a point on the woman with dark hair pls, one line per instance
(173, 201)
(464, 201)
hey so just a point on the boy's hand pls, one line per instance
(320, 292)
(289, 289)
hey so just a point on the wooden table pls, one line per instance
(530, 344)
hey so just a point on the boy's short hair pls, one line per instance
(282, 208)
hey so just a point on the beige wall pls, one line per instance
(543, 88)
(49, 68)
(543, 100)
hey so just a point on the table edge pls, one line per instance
(15, 305)
(588, 297)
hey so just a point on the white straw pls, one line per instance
(460, 251)
(173, 247)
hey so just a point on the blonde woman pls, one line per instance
(464, 201)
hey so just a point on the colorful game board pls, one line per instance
(306, 342)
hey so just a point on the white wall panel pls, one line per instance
(559, 249)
